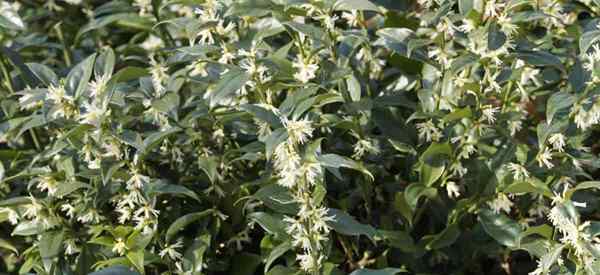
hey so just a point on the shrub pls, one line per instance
(299, 136)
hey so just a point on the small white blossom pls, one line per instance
(119, 247)
(351, 17)
(557, 141)
(544, 158)
(428, 131)
(306, 70)
(501, 203)
(298, 130)
(489, 113)
(519, 172)
(171, 251)
(452, 189)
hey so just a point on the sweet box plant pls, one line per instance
(299, 137)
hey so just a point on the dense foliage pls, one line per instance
(299, 137)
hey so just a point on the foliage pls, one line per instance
(299, 136)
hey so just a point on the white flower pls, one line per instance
(573, 234)
(352, 18)
(68, 209)
(71, 247)
(119, 247)
(27, 103)
(514, 126)
(452, 189)
(428, 131)
(592, 58)
(145, 6)
(147, 212)
(363, 146)
(159, 76)
(9, 12)
(91, 216)
(298, 130)
(306, 70)
(226, 55)
(501, 203)
(171, 251)
(557, 141)
(32, 210)
(328, 21)
(125, 213)
(58, 94)
(440, 55)
(13, 216)
(93, 115)
(47, 183)
(544, 157)
(506, 26)
(137, 180)
(311, 171)
(309, 262)
(152, 43)
(489, 112)
(519, 172)
(98, 86)
(491, 8)
(287, 163)
(467, 26)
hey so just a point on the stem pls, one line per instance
(61, 38)
(7, 77)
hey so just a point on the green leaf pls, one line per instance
(184, 221)
(209, 165)
(7, 245)
(348, 5)
(353, 88)
(311, 31)
(433, 162)
(155, 139)
(17, 60)
(540, 58)
(277, 198)
(277, 252)
(43, 73)
(246, 264)
(105, 63)
(445, 238)
(385, 271)
(78, 77)
(337, 161)
(496, 38)
(399, 239)
(559, 102)
(347, 225)
(132, 20)
(402, 206)
(582, 186)
(396, 39)
(230, 82)
(263, 114)
(27, 228)
(160, 187)
(115, 270)
(136, 258)
(167, 103)
(415, 191)
(50, 247)
(269, 222)
(504, 230)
